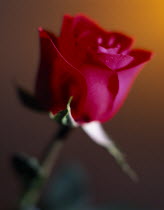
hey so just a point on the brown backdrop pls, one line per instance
(137, 128)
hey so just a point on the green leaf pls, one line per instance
(64, 117)
(26, 166)
(28, 100)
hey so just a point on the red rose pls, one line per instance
(94, 66)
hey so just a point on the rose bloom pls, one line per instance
(94, 66)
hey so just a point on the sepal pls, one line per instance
(64, 117)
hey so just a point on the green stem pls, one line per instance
(33, 192)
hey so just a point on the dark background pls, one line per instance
(137, 128)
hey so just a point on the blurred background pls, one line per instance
(138, 128)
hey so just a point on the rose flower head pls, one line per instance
(93, 66)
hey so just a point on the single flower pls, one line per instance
(84, 77)
(93, 66)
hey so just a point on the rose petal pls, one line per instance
(102, 87)
(43, 90)
(80, 33)
(82, 24)
(66, 39)
(140, 56)
(57, 79)
(115, 61)
(117, 38)
(127, 76)
(77, 35)
(108, 50)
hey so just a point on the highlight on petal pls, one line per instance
(95, 131)
(117, 38)
(115, 61)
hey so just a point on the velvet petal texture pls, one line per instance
(102, 88)
(115, 61)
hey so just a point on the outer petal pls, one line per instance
(43, 90)
(140, 57)
(82, 24)
(66, 39)
(102, 88)
(57, 79)
(127, 76)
